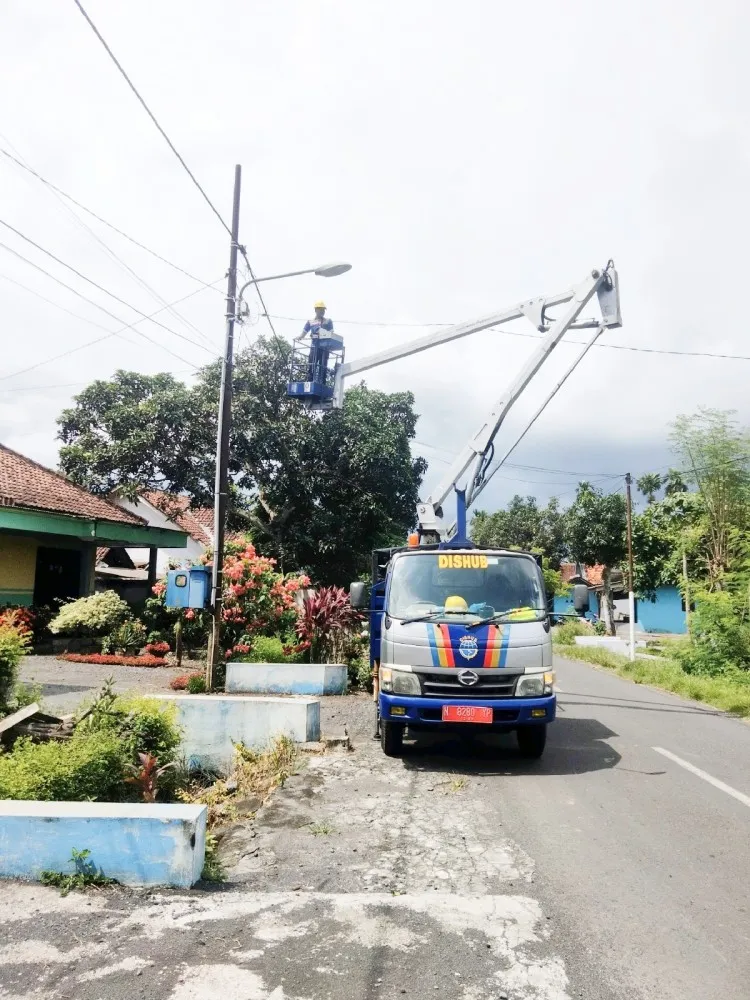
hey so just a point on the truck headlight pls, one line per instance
(530, 686)
(405, 683)
(533, 685)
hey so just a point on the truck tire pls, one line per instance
(531, 741)
(391, 738)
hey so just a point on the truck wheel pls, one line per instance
(391, 738)
(531, 741)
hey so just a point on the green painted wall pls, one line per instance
(17, 569)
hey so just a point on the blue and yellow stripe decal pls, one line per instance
(493, 642)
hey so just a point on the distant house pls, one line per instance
(51, 529)
(666, 613)
(132, 570)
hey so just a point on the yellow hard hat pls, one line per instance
(456, 603)
(320, 304)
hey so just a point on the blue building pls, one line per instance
(666, 613)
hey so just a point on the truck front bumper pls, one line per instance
(507, 713)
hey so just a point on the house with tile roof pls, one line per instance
(50, 530)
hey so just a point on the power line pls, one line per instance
(106, 291)
(534, 336)
(172, 146)
(98, 340)
(94, 215)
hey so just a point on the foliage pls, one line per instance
(720, 635)
(143, 725)
(131, 635)
(649, 485)
(156, 648)
(180, 682)
(146, 775)
(595, 524)
(160, 621)
(716, 454)
(196, 684)
(566, 633)
(315, 493)
(91, 616)
(26, 694)
(86, 767)
(269, 649)
(554, 585)
(213, 868)
(324, 614)
(114, 659)
(599, 627)
(14, 641)
(524, 525)
(660, 533)
(360, 674)
(729, 691)
(83, 876)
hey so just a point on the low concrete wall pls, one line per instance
(610, 642)
(287, 678)
(135, 844)
(211, 723)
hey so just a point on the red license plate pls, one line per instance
(467, 713)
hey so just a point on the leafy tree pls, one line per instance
(660, 534)
(649, 485)
(716, 454)
(524, 525)
(596, 527)
(316, 493)
(674, 483)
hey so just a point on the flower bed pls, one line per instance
(112, 659)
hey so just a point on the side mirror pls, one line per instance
(581, 598)
(358, 595)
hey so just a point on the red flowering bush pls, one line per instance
(257, 599)
(180, 682)
(20, 619)
(324, 618)
(114, 660)
(157, 648)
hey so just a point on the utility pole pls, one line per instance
(631, 594)
(221, 486)
(686, 586)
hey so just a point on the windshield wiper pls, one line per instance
(499, 615)
(421, 618)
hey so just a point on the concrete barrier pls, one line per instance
(135, 844)
(211, 723)
(610, 642)
(287, 678)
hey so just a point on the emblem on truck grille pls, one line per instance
(468, 646)
(468, 678)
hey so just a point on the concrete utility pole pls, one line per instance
(221, 486)
(631, 595)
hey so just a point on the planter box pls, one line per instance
(135, 844)
(211, 723)
(287, 678)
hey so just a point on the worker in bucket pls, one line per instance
(316, 329)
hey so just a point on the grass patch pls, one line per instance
(83, 876)
(729, 691)
(213, 868)
(321, 829)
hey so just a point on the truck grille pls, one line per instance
(448, 686)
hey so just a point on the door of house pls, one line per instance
(58, 575)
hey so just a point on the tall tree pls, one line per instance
(596, 527)
(649, 485)
(317, 493)
(716, 454)
(523, 525)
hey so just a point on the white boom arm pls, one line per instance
(602, 283)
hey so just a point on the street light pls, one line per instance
(324, 271)
(221, 484)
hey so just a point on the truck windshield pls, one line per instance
(437, 584)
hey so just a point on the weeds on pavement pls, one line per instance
(83, 876)
(321, 829)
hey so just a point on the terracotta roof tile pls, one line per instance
(24, 483)
(592, 574)
(196, 521)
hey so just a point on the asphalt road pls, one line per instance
(608, 870)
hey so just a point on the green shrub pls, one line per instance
(269, 649)
(565, 634)
(13, 644)
(720, 636)
(131, 635)
(360, 674)
(88, 767)
(142, 725)
(196, 684)
(91, 616)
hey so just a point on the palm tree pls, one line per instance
(649, 485)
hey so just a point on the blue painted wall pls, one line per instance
(564, 605)
(665, 614)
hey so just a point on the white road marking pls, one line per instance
(721, 785)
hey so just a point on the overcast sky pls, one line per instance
(461, 156)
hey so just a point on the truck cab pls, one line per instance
(460, 639)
